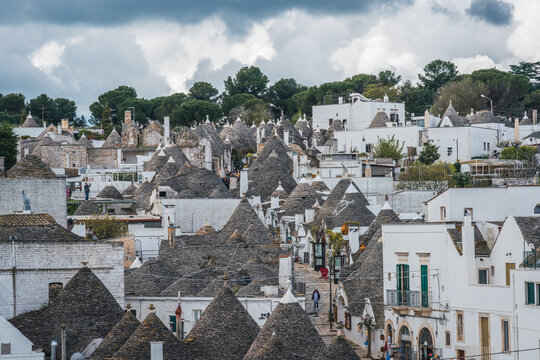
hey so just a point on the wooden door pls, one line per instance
(484, 337)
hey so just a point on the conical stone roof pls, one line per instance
(130, 190)
(88, 207)
(137, 347)
(319, 185)
(280, 193)
(110, 192)
(340, 349)
(351, 208)
(31, 166)
(277, 145)
(117, 337)
(84, 300)
(243, 218)
(29, 122)
(224, 331)
(274, 349)
(114, 140)
(168, 171)
(85, 142)
(267, 177)
(292, 325)
(301, 198)
(380, 120)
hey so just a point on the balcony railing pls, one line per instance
(531, 259)
(408, 298)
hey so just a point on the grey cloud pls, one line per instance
(496, 12)
(106, 12)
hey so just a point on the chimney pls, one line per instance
(2, 165)
(286, 137)
(167, 129)
(59, 128)
(243, 182)
(65, 124)
(284, 271)
(534, 116)
(298, 219)
(340, 99)
(156, 350)
(127, 116)
(310, 215)
(516, 130)
(274, 202)
(426, 119)
(467, 245)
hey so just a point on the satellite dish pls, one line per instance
(77, 356)
(82, 170)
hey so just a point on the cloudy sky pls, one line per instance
(80, 49)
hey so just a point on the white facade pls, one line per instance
(487, 204)
(40, 264)
(14, 345)
(466, 306)
(259, 308)
(356, 115)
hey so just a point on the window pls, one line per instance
(538, 294)
(505, 331)
(54, 289)
(483, 276)
(330, 121)
(369, 148)
(443, 212)
(6, 349)
(509, 266)
(172, 323)
(162, 194)
(347, 321)
(470, 211)
(196, 315)
(402, 283)
(460, 329)
(448, 338)
(529, 296)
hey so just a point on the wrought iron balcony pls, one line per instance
(531, 259)
(408, 298)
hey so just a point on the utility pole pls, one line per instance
(42, 113)
(330, 316)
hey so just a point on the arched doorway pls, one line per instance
(405, 344)
(425, 344)
(389, 333)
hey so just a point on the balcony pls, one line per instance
(531, 259)
(403, 300)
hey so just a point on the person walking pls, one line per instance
(316, 297)
(87, 190)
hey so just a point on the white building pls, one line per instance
(260, 308)
(14, 345)
(484, 204)
(356, 114)
(449, 292)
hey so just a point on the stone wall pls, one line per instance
(46, 196)
(102, 158)
(64, 156)
(195, 155)
(42, 263)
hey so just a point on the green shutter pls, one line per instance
(530, 293)
(405, 277)
(424, 285)
(172, 321)
(398, 276)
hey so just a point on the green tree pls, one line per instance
(168, 104)
(389, 148)
(249, 80)
(8, 145)
(12, 103)
(507, 90)
(304, 100)
(530, 70)
(429, 154)
(417, 98)
(43, 106)
(518, 153)
(105, 227)
(464, 94)
(112, 98)
(144, 110)
(377, 91)
(359, 82)
(64, 109)
(194, 112)
(234, 101)
(202, 90)
(437, 73)
(388, 78)
(280, 95)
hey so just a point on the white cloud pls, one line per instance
(470, 64)
(524, 41)
(48, 57)
(174, 51)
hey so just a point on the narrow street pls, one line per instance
(314, 281)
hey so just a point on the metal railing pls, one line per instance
(409, 298)
(531, 259)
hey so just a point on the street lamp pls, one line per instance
(280, 109)
(490, 102)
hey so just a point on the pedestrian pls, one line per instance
(316, 297)
(87, 191)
